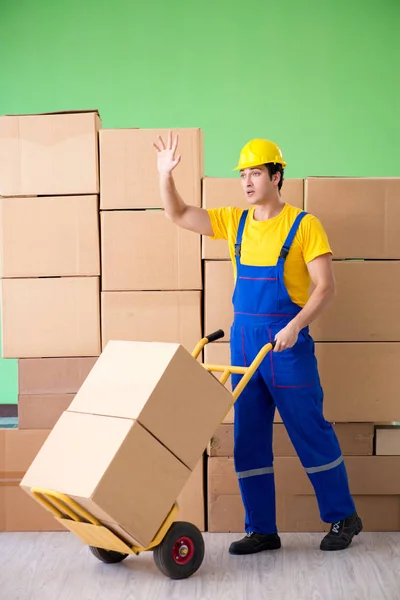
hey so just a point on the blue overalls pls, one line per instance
(288, 380)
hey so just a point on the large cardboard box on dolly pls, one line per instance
(152, 316)
(114, 468)
(143, 250)
(50, 317)
(49, 237)
(224, 192)
(51, 154)
(128, 167)
(135, 432)
(161, 386)
(372, 203)
(297, 509)
(18, 510)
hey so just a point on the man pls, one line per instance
(276, 251)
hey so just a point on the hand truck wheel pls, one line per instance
(181, 552)
(107, 556)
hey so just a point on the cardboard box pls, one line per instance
(366, 306)
(191, 500)
(2, 451)
(351, 316)
(162, 387)
(355, 439)
(368, 475)
(218, 290)
(360, 380)
(143, 250)
(2, 508)
(217, 192)
(49, 155)
(18, 512)
(41, 376)
(387, 441)
(114, 468)
(128, 167)
(41, 411)
(49, 237)
(152, 316)
(373, 204)
(299, 514)
(296, 512)
(23, 513)
(50, 317)
(21, 447)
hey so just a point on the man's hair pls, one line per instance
(272, 169)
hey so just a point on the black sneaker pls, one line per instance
(255, 542)
(341, 534)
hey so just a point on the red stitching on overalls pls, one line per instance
(243, 352)
(265, 315)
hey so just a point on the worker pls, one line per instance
(277, 250)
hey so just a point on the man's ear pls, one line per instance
(276, 177)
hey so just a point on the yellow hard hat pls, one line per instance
(258, 152)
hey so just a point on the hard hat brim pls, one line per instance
(257, 164)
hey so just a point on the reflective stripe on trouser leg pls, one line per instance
(327, 467)
(255, 472)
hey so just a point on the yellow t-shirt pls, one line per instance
(263, 240)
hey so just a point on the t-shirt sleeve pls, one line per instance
(221, 219)
(315, 240)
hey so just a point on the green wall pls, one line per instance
(321, 78)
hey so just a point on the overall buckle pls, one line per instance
(284, 253)
(238, 250)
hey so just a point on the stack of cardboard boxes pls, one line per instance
(52, 262)
(151, 270)
(87, 256)
(50, 269)
(357, 347)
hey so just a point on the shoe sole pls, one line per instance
(357, 532)
(254, 551)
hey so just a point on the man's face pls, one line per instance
(258, 185)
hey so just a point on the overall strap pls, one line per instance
(239, 236)
(289, 240)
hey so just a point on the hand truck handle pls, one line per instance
(216, 335)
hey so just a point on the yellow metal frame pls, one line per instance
(228, 370)
(89, 529)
